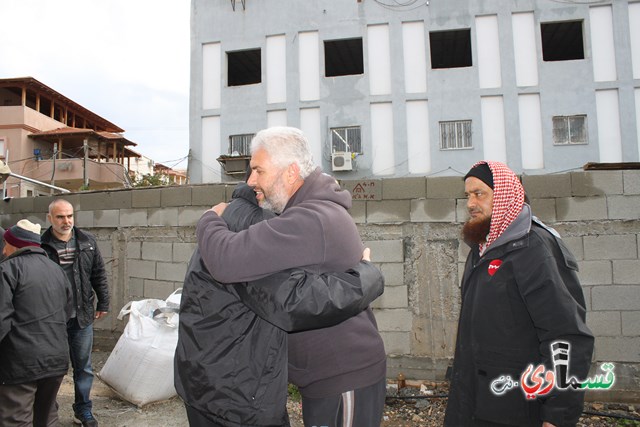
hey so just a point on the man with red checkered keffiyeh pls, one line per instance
(520, 296)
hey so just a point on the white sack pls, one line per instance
(140, 367)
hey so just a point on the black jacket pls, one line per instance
(89, 274)
(518, 298)
(35, 303)
(231, 363)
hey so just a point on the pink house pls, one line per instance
(47, 137)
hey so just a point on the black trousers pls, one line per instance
(30, 404)
(361, 407)
(198, 419)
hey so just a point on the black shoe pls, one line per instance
(87, 420)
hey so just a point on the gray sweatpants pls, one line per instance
(362, 407)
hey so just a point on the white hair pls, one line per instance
(285, 145)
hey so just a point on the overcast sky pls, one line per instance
(125, 60)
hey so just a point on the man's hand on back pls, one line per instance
(219, 208)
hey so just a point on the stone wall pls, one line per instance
(412, 226)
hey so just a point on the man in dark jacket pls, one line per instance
(231, 360)
(520, 296)
(77, 253)
(35, 305)
(340, 370)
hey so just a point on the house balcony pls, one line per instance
(70, 173)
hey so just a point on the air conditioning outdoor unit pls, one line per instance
(341, 161)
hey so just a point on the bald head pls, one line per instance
(58, 202)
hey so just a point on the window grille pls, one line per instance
(346, 139)
(455, 135)
(240, 145)
(570, 130)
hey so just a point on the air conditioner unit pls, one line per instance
(341, 161)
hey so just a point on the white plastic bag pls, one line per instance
(140, 367)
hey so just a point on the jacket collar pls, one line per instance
(47, 236)
(511, 238)
(26, 250)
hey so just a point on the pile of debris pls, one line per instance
(415, 403)
(423, 404)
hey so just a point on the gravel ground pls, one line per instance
(407, 408)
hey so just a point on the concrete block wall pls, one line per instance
(146, 237)
(596, 212)
(413, 227)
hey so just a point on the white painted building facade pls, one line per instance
(384, 88)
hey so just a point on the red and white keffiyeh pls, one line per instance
(508, 200)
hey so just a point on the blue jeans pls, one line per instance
(80, 345)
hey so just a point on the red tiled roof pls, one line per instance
(69, 131)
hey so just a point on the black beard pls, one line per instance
(476, 231)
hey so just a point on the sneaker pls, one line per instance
(86, 419)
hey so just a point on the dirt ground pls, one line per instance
(405, 409)
(111, 411)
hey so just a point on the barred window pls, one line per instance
(346, 139)
(455, 135)
(240, 145)
(570, 130)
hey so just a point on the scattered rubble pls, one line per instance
(417, 404)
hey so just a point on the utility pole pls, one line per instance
(86, 154)
(188, 166)
(53, 163)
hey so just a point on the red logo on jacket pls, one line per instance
(494, 266)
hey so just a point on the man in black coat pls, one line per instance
(521, 300)
(35, 304)
(77, 253)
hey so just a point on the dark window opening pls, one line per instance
(450, 49)
(31, 100)
(10, 96)
(562, 41)
(45, 107)
(343, 57)
(58, 113)
(244, 67)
